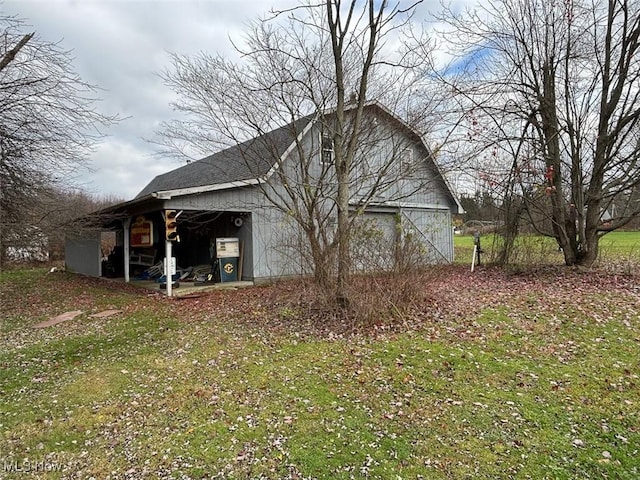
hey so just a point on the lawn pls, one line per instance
(618, 247)
(493, 375)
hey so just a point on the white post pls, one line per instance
(127, 248)
(167, 266)
(473, 260)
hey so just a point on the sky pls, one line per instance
(122, 46)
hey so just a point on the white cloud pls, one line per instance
(121, 168)
(122, 46)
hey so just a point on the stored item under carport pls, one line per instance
(228, 251)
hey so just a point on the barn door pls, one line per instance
(374, 242)
(433, 229)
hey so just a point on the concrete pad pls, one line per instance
(59, 319)
(105, 314)
(189, 288)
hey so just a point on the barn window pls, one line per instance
(327, 149)
(406, 159)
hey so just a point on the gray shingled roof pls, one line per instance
(247, 161)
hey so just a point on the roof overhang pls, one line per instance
(402, 205)
(169, 194)
(112, 216)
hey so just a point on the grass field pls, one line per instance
(497, 376)
(532, 249)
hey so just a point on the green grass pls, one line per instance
(169, 390)
(534, 249)
(621, 243)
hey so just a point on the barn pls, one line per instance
(239, 196)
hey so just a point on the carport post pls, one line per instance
(167, 267)
(127, 247)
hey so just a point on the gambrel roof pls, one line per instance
(253, 161)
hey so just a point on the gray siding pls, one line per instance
(433, 228)
(277, 243)
(270, 238)
(274, 246)
(245, 234)
(82, 254)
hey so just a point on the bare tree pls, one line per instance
(48, 125)
(554, 90)
(54, 211)
(322, 62)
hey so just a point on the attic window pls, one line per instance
(406, 159)
(327, 149)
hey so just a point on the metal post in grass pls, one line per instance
(477, 250)
(473, 258)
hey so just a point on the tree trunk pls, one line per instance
(342, 234)
(592, 219)
(512, 216)
(590, 253)
(322, 261)
(551, 131)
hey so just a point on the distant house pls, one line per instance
(29, 245)
(221, 196)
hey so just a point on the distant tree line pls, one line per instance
(486, 206)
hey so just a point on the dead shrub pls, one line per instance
(388, 283)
